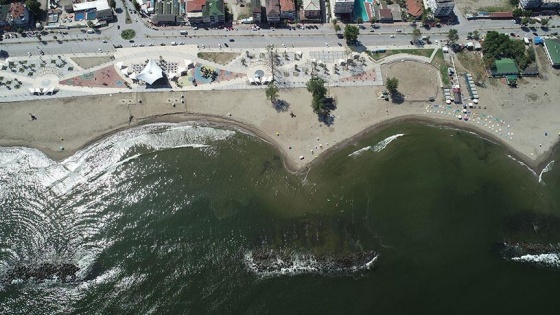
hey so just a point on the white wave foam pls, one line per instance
(547, 168)
(34, 192)
(548, 260)
(301, 264)
(523, 164)
(378, 147)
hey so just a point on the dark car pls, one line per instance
(535, 33)
(131, 41)
(225, 44)
(231, 40)
(340, 36)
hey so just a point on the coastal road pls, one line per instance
(387, 35)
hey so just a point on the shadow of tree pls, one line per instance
(325, 116)
(397, 98)
(281, 105)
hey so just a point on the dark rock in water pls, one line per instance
(63, 272)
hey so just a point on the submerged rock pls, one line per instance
(44, 271)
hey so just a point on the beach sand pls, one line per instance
(64, 125)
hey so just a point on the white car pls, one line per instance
(392, 36)
(437, 42)
(399, 30)
(195, 28)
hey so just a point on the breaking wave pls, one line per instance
(54, 213)
(273, 263)
(547, 168)
(378, 147)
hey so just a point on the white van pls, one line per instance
(90, 31)
(184, 33)
(173, 44)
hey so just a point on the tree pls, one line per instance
(416, 33)
(517, 12)
(453, 35)
(360, 21)
(271, 92)
(137, 6)
(544, 22)
(476, 35)
(34, 7)
(527, 13)
(316, 86)
(532, 21)
(351, 33)
(112, 4)
(524, 21)
(514, 2)
(392, 85)
(337, 28)
(373, 20)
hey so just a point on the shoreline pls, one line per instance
(536, 165)
(67, 125)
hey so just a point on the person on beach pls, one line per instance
(33, 117)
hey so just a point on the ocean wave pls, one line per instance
(547, 168)
(378, 147)
(523, 164)
(278, 263)
(53, 213)
(546, 260)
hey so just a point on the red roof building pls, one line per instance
(501, 15)
(385, 15)
(415, 8)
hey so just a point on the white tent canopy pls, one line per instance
(132, 76)
(124, 71)
(181, 70)
(189, 63)
(119, 65)
(151, 73)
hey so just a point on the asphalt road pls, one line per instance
(387, 35)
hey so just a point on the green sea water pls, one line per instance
(176, 219)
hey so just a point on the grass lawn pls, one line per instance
(441, 64)
(417, 52)
(90, 62)
(222, 58)
(128, 34)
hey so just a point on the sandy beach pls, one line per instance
(64, 125)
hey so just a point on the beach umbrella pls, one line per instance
(448, 101)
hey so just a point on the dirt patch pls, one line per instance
(414, 87)
(469, 6)
(440, 62)
(471, 62)
(417, 52)
(90, 62)
(222, 58)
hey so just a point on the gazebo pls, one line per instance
(151, 73)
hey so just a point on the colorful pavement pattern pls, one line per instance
(107, 77)
(196, 73)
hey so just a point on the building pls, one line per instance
(287, 9)
(501, 15)
(272, 11)
(396, 12)
(552, 48)
(343, 7)
(553, 5)
(163, 19)
(385, 16)
(414, 8)
(441, 8)
(530, 4)
(194, 10)
(14, 15)
(257, 11)
(213, 12)
(312, 10)
(99, 10)
(505, 67)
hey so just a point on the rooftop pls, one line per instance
(553, 48)
(385, 14)
(287, 5)
(272, 7)
(195, 5)
(213, 8)
(415, 7)
(311, 5)
(505, 66)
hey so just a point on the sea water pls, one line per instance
(186, 219)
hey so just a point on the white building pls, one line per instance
(441, 8)
(530, 4)
(344, 6)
